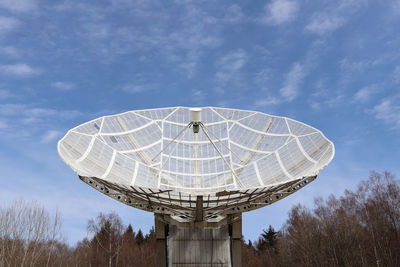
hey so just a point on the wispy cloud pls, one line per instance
(50, 136)
(141, 83)
(3, 123)
(395, 5)
(18, 5)
(234, 14)
(280, 11)
(396, 74)
(198, 33)
(184, 44)
(7, 24)
(262, 77)
(389, 112)
(63, 86)
(290, 88)
(315, 105)
(268, 101)
(229, 66)
(325, 97)
(350, 70)
(324, 23)
(294, 78)
(9, 51)
(89, 11)
(19, 69)
(29, 119)
(364, 94)
(135, 88)
(96, 30)
(348, 65)
(233, 61)
(198, 95)
(333, 16)
(4, 94)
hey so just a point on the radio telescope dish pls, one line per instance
(196, 166)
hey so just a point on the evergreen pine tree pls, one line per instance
(150, 235)
(129, 231)
(139, 237)
(269, 238)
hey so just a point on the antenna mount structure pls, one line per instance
(197, 182)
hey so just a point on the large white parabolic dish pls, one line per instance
(239, 160)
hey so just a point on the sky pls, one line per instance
(334, 65)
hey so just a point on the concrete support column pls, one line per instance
(161, 242)
(237, 243)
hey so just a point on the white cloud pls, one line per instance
(193, 32)
(27, 120)
(6, 94)
(389, 112)
(135, 88)
(333, 16)
(10, 109)
(3, 123)
(347, 65)
(315, 106)
(63, 86)
(9, 51)
(365, 93)
(233, 14)
(182, 45)
(198, 95)
(396, 74)
(280, 11)
(263, 76)
(18, 5)
(24, 111)
(97, 30)
(268, 101)
(322, 24)
(19, 69)
(229, 66)
(336, 99)
(293, 80)
(233, 61)
(351, 70)
(396, 6)
(50, 136)
(189, 42)
(324, 99)
(8, 24)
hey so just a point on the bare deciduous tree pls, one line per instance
(107, 230)
(27, 234)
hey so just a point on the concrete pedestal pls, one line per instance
(161, 242)
(236, 247)
(199, 247)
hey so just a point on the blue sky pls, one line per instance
(334, 65)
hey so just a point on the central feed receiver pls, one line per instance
(195, 115)
(196, 181)
(195, 118)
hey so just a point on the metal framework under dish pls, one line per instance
(196, 166)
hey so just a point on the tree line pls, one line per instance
(360, 228)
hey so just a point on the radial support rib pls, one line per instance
(176, 137)
(222, 157)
